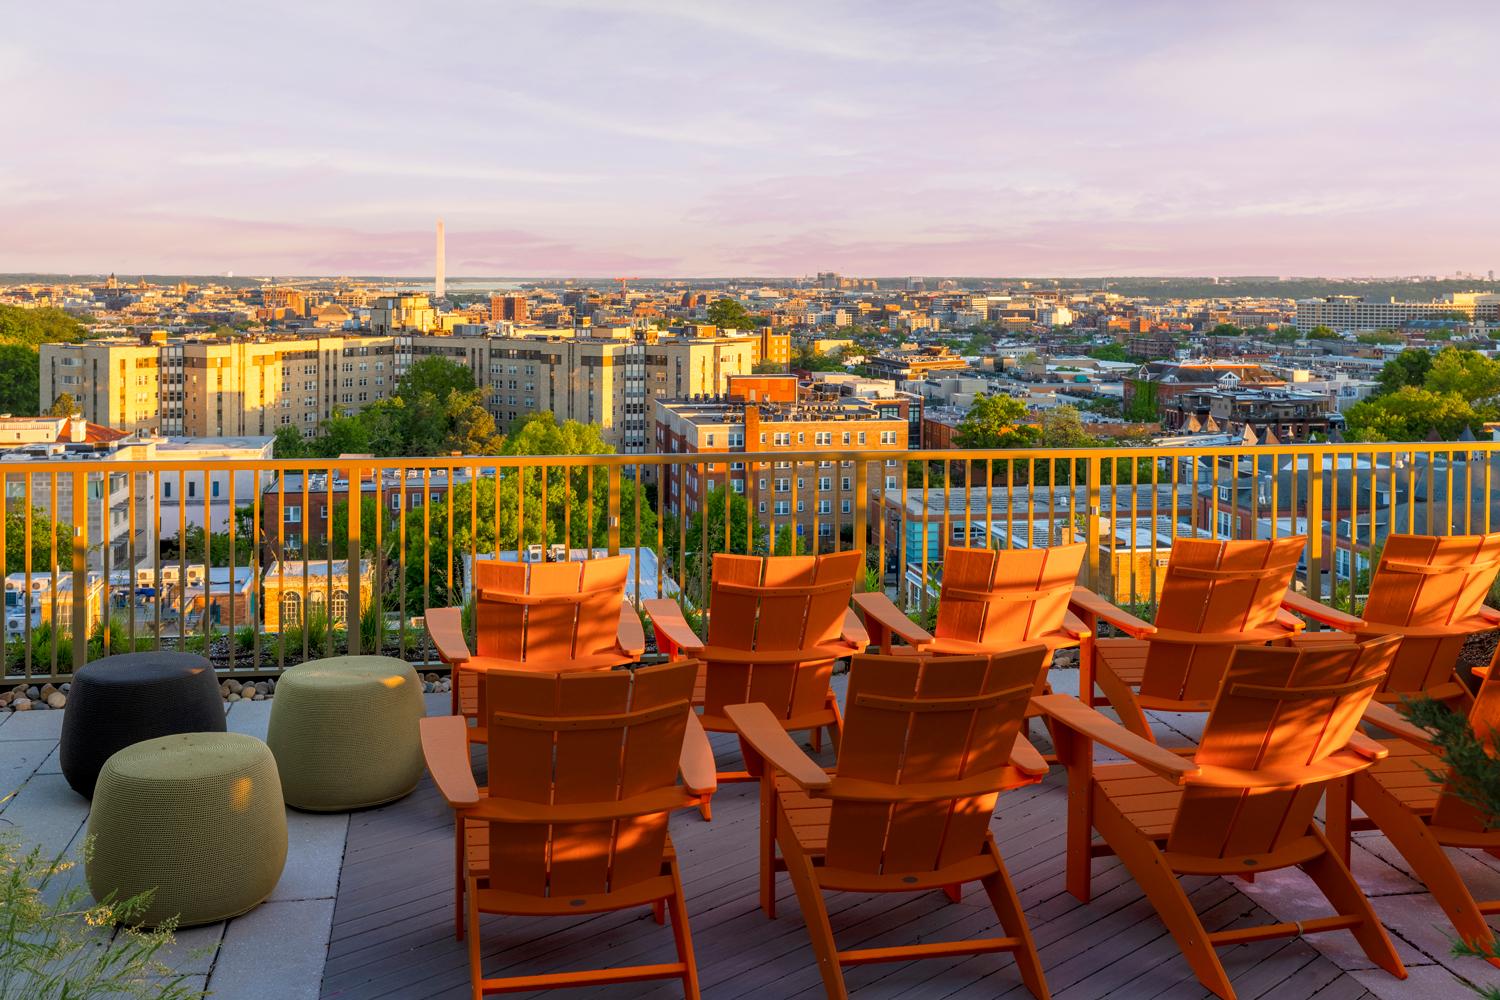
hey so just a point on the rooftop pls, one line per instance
(363, 910)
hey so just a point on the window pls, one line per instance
(782, 438)
(823, 437)
(340, 607)
(782, 506)
(825, 507)
(861, 437)
(825, 483)
(1225, 525)
(214, 488)
(887, 437)
(323, 511)
(844, 506)
(783, 485)
(825, 530)
(845, 481)
(801, 506)
(192, 489)
(291, 609)
(709, 439)
(846, 437)
(294, 515)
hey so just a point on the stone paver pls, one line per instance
(35, 725)
(274, 952)
(19, 760)
(315, 853)
(47, 813)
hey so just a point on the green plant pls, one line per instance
(1472, 774)
(55, 946)
(244, 639)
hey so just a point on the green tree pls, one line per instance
(1110, 352)
(1225, 330)
(1381, 337)
(1410, 367)
(1321, 332)
(728, 314)
(63, 406)
(996, 422)
(805, 358)
(20, 390)
(1411, 414)
(41, 528)
(1468, 373)
(289, 443)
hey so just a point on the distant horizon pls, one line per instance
(410, 279)
(629, 137)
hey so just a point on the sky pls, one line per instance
(649, 138)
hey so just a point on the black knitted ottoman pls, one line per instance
(122, 700)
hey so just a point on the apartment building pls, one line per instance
(817, 496)
(1353, 312)
(246, 386)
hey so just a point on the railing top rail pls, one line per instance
(1246, 452)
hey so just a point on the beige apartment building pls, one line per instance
(229, 387)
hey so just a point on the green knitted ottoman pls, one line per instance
(197, 818)
(344, 732)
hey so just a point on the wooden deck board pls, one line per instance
(393, 924)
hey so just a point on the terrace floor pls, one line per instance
(364, 910)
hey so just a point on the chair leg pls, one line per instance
(1007, 906)
(1415, 842)
(458, 878)
(1332, 877)
(683, 936)
(1077, 753)
(1339, 819)
(836, 730)
(1149, 869)
(815, 739)
(705, 808)
(815, 915)
(476, 977)
(659, 912)
(955, 893)
(768, 845)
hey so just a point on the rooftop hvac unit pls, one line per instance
(534, 552)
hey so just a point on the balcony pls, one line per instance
(364, 907)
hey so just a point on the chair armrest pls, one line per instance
(631, 638)
(696, 763)
(1369, 749)
(1073, 626)
(762, 730)
(883, 617)
(446, 626)
(1387, 718)
(1085, 603)
(1025, 758)
(1085, 721)
(1490, 614)
(445, 746)
(854, 632)
(1289, 621)
(672, 632)
(1318, 612)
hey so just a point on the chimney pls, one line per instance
(78, 429)
(752, 427)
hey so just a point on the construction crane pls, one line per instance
(622, 285)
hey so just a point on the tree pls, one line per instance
(1321, 332)
(728, 314)
(289, 443)
(1225, 330)
(1110, 352)
(805, 358)
(1381, 337)
(1411, 414)
(41, 550)
(63, 406)
(20, 389)
(1468, 373)
(768, 368)
(995, 422)
(1410, 367)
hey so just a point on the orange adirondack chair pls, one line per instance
(546, 617)
(928, 747)
(1282, 729)
(776, 624)
(1429, 590)
(1421, 816)
(1217, 595)
(991, 600)
(575, 821)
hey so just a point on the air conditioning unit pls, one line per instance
(534, 553)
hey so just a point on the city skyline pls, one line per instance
(660, 139)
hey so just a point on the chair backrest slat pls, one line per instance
(997, 597)
(919, 720)
(1432, 583)
(581, 739)
(1219, 588)
(1280, 709)
(776, 604)
(548, 612)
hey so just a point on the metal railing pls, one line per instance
(229, 557)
